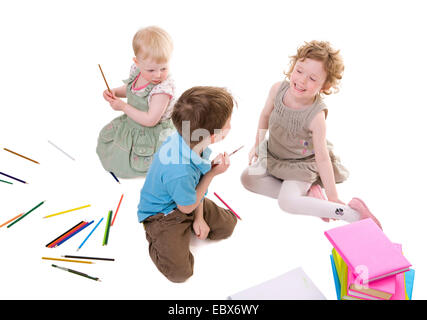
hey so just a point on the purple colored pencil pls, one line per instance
(12, 177)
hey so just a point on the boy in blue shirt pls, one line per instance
(172, 201)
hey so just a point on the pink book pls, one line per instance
(382, 289)
(400, 288)
(367, 251)
(400, 291)
(376, 290)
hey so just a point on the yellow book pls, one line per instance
(342, 272)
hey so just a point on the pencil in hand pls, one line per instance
(235, 151)
(215, 164)
(104, 78)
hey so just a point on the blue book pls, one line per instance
(409, 282)
(336, 279)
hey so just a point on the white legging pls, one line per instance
(292, 195)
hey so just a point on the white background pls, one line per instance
(52, 90)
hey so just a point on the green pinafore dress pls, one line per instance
(125, 147)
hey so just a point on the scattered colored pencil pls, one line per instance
(6, 181)
(68, 234)
(9, 221)
(67, 260)
(20, 155)
(81, 245)
(107, 228)
(114, 177)
(78, 224)
(25, 214)
(227, 206)
(4, 174)
(89, 258)
(121, 198)
(76, 272)
(61, 150)
(74, 233)
(235, 151)
(104, 77)
(57, 214)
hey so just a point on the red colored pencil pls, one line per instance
(115, 214)
(227, 206)
(57, 238)
(79, 226)
(235, 151)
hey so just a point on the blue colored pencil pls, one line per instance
(90, 234)
(73, 234)
(114, 176)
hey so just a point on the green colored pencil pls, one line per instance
(107, 228)
(76, 272)
(6, 181)
(25, 214)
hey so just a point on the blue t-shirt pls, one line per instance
(172, 178)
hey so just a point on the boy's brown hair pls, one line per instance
(323, 52)
(202, 107)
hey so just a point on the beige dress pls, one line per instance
(288, 154)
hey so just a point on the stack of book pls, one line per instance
(367, 266)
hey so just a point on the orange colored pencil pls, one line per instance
(104, 77)
(20, 155)
(121, 198)
(11, 220)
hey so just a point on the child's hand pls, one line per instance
(201, 228)
(220, 164)
(253, 156)
(115, 103)
(108, 95)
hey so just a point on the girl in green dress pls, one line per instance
(127, 144)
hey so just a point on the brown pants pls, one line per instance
(169, 238)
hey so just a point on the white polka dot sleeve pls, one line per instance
(165, 87)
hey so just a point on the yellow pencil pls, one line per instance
(56, 214)
(67, 260)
